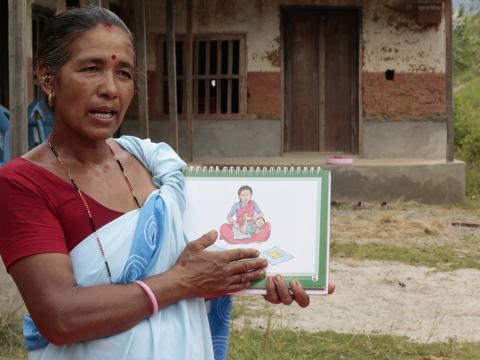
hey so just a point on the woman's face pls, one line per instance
(245, 196)
(95, 87)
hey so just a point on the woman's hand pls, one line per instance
(279, 293)
(206, 274)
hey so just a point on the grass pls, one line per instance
(412, 234)
(472, 179)
(443, 258)
(466, 41)
(11, 342)
(466, 45)
(243, 309)
(286, 344)
(467, 134)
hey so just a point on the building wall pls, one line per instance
(260, 20)
(391, 38)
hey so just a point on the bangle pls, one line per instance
(150, 294)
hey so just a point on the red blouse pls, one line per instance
(41, 213)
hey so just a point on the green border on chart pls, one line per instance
(318, 280)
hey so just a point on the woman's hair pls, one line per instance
(245, 187)
(64, 28)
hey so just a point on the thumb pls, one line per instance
(205, 240)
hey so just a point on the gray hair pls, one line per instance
(64, 28)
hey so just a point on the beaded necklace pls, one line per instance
(85, 204)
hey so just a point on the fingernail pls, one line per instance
(263, 273)
(295, 283)
(212, 233)
(265, 262)
(257, 253)
(278, 278)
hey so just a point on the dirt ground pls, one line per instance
(376, 297)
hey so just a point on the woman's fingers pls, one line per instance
(246, 265)
(272, 295)
(204, 241)
(282, 290)
(240, 254)
(300, 296)
(247, 277)
(278, 292)
(331, 288)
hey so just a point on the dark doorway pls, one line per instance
(321, 79)
(4, 53)
(40, 16)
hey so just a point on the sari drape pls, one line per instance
(141, 243)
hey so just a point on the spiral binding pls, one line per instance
(253, 170)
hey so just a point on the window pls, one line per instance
(218, 76)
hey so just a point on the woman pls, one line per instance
(245, 212)
(77, 231)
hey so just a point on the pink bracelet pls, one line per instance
(150, 294)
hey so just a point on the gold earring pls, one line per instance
(47, 80)
(51, 99)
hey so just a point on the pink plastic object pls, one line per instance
(339, 160)
(150, 294)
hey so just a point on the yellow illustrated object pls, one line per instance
(275, 254)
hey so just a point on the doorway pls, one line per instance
(4, 98)
(321, 64)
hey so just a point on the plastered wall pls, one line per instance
(391, 38)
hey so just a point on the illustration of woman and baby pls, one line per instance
(246, 222)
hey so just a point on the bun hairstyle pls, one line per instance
(64, 28)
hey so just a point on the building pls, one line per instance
(293, 82)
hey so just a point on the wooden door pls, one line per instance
(321, 80)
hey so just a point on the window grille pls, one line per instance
(218, 76)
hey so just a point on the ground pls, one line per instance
(436, 302)
(400, 269)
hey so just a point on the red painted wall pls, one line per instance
(409, 96)
(264, 94)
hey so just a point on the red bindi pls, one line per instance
(114, 57)
(108, 27)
